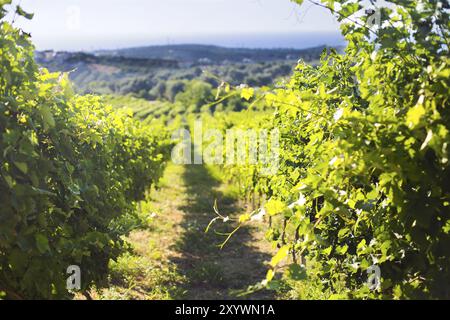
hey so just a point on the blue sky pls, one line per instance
(94, 24)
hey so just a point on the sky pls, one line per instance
(108, 24)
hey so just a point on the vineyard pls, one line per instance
(362, 179)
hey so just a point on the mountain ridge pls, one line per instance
(213, 54)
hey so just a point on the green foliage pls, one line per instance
(364, 164)
(23, 13)
(161, 79)
(196, 94)
(71, 168)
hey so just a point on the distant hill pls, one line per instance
(153, 73)
(207, 54)
(66, 61)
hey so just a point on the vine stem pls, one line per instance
(342, 16)
(15, 13)
(229, 237)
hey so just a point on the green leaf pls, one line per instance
(43, 192)
(364, 264)
(414, 115)
(300, 2)
(247, 93)
(22, 166)
(361, 246)
(9, 180)
(42, 243)
(446, 227)
(274, 207)
(296, 272)
(343, 232)
(2, 4)
(24, 14)
(327, 251)
(347, 10)
(47, 116)
(269, 276)
(18, 260)
(274, 285)
(244, 217)
(281, 254)
(342, 249)
(385, 247)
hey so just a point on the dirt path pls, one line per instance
(174, 258)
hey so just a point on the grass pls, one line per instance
(173, 257)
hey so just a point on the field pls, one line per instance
(209, 173)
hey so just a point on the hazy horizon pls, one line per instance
(83, 25)
(250, 41)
